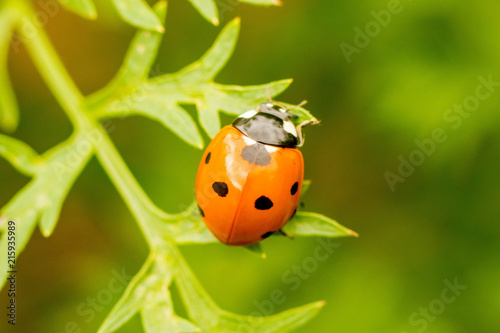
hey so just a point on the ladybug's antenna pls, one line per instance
(313, 121)
(291, 107)
(298, 105)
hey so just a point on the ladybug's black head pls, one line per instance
(269, 124)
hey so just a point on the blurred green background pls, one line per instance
(440, 224)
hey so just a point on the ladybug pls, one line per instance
(250, 177)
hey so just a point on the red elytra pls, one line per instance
(250, 177)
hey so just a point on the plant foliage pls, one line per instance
(133, 92)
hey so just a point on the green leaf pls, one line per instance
(44, 195)
(208, 116)
(255, 93)
(180, 122)
(210, 318)
(233, 100)
(63, 164)
(142, 52)
(139, 14)
(84, 8)
(313, 224)
(139, 58)
(263, 2)
(302, 115)
(137, 63)
(131, 93)
(187, 227)
(148, 293)
(51, 213)
(256, 249)
(238, 99)
(158, 315)
(130, 302)
(9, 114)
(20, 155)
(214, 59)
(25, 223)
(207, 9)
(158, 108)
(282, 322)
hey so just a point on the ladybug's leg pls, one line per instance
(281, 232)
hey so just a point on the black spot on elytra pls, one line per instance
(263, 203)
(257, 154)
(220, 188)
(207, 159)
(294, 189)
(201, 211)
(267, 234)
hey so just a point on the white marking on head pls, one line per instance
(248, 114)
(271, 149)
(249, 141)
(290, 128)
(269, 105)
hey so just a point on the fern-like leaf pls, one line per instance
(84, 8)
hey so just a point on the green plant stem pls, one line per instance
(128, 188)
(70, 98)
